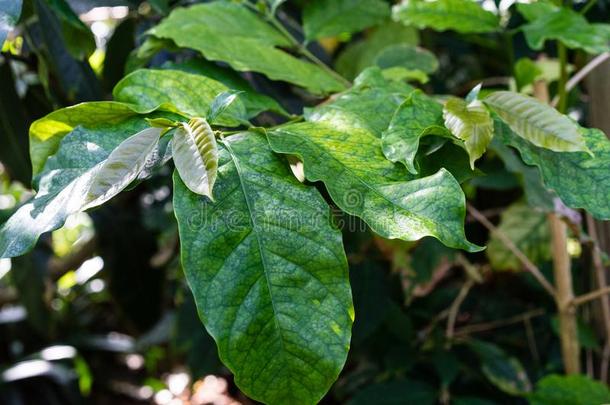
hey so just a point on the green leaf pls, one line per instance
(47, 132)
(362, 182)
(65, 182)
(195, 154)
(505, 372)
(526, 72)
(569, 390)
(463, 16)
(330, 18)
(9, 14)
(549, 22)
(471, 123)
(274, 294)
(254, 102)
(537, 122)
(221, 103)
(418, 116)
(528, 229)
(190, 94)
(77, 36)
(369, 104)
(122, 167)
(229, 32)
(360, 54)
(581, 181)
(536, 194)
(407, 56)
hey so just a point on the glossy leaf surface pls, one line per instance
(464, 16)
(228, 32)
(268, 274)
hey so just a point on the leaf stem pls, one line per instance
(588, 7)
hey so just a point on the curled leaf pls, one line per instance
(471, 123)
(122, 166)
(195, 153)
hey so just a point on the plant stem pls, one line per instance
(588, 6)
(563, 78)
(527, 264)
(590, 296)
(305, 52)
(583, 73)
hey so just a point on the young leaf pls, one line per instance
(529, 231)
(581, 181)
(362, 182)
(417, 117)
(329, 18)
(122, 167)
(471, 123)
(268, 273)
(188, 93)
(537, 122)
(548, 22)
(9, 14)
(64, 183)
(229, 32)
(195, 155)
(464, 16)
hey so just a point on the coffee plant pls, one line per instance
(264, 194)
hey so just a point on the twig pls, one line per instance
(600, 273)
(583, 73)
(529, 266)
(455, 307)
(59, 266)
(603, 374)
(582, 299)
(487, 326)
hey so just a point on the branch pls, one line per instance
(582, 73)
(487, 326)
(529, 266)
(582, 299)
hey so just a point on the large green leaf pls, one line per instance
(418, 116)
(9, 14)
(254, 101)
(549, 22)
(122, 167)
(362, 182)
(229, 32)
(47, 132)
(78, 38)
(471, 123)
(569, 390)
(268, 273)
(195, 155)
(369, 104)
(190, 93)
(65, 183)
(329, 18)
(464, 16)
(537, 122)
(528, 229)
(360, 54)
(581, 181)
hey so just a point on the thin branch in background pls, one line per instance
(583, 299)
(527, 264)
(455, 307)
(600, 276)
(583, 73)
(500, 323)
(531, 338)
